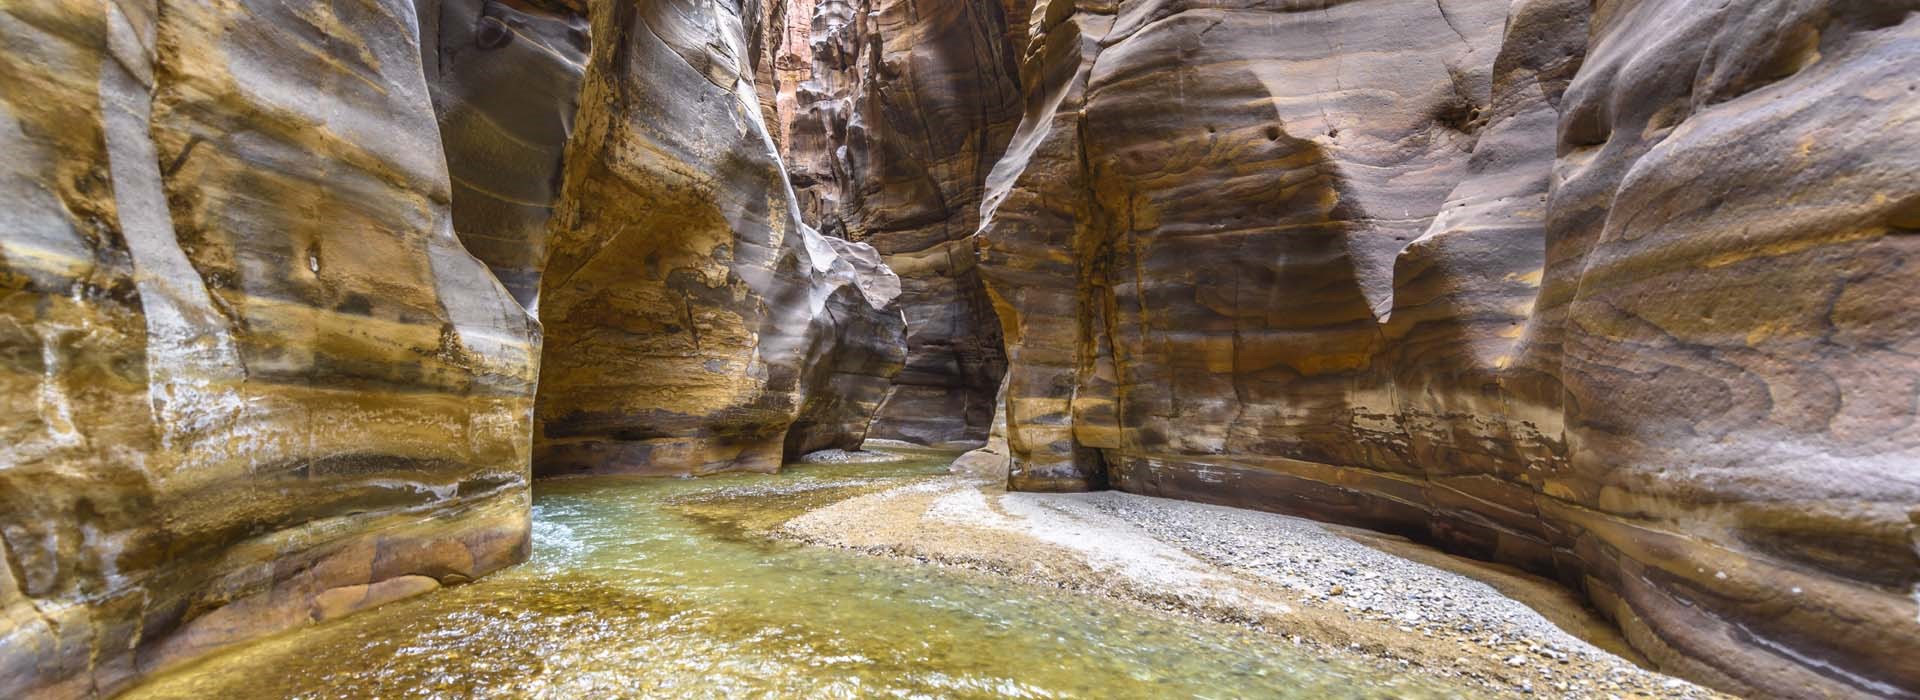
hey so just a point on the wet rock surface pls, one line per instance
(1604, 290)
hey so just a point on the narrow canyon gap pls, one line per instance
(890, 114)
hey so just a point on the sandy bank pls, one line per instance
(1350, 593)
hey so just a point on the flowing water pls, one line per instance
(662, 588)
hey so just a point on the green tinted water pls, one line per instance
(657, 588)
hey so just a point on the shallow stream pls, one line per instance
(663, 588)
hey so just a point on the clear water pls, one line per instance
(660, 588)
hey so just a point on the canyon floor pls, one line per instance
(881, 574)
(1337, 591)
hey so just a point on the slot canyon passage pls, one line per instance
(1033, 348)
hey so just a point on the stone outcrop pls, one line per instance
(693, 323)
(903, 109)
(1613, 291)
(249, 378)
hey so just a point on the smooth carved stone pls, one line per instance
(856, 349)
(906, 108)
(1613, 291)
(243, 359)
(1033, 256)
(990, 461)
(693, 323)
(506, 108)
(1738, 344)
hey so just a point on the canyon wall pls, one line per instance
(1614, 291)
(251, 376)
(693, 323)
(504, 80)
(250, 379)
(893, 112)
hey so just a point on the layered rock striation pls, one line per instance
(694, 323)
(900, 113)
(504, 80)
(1612, 291)
(250, 377)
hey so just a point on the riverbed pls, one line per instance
(675, 588)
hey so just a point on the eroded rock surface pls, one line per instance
(250, 378)
(1613, 291)
(694, 324)
(504, 78)
(903, 109)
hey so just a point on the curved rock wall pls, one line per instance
(694, 324)
(250, 377)
(504, 79)
(905, 108)
(1608, 290)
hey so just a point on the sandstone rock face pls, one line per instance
(1035, 259)
(785, 60)
(694, 324)
(249, 378)
(1613, 291)
(906, 106)
(504, 79)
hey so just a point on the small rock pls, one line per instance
(1337, 589)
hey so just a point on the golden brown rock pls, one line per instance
(783, 61)
(694, 324)
(1738, 348)
(905, 109)
(1033, 255)
(1635, 322)
(246, 364)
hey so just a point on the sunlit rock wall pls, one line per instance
(1614, 291)
(249, 378)
(693, 323)
(784, 60)
(905, 108)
